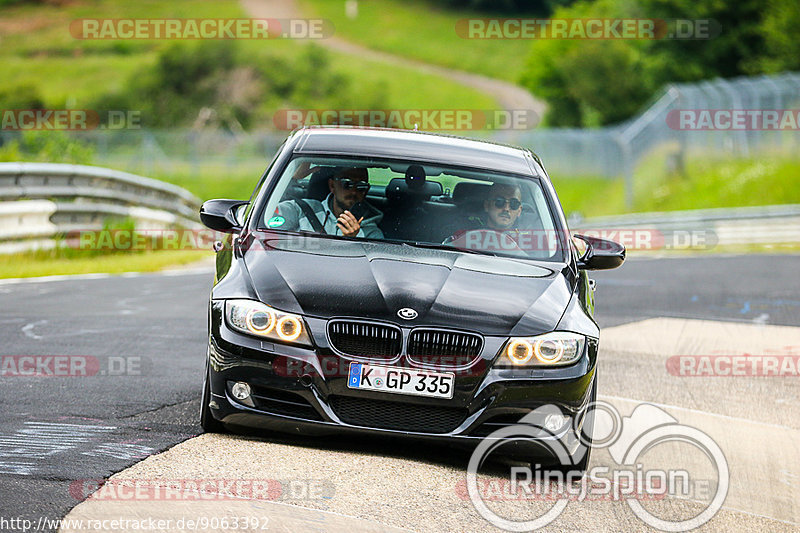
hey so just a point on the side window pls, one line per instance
(284, 190)
(257, 190)
(544, 224)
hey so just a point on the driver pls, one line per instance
(348, 190)
(503, 206)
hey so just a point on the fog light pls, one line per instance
(240, 390)
(554, 422)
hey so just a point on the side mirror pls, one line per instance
(222, 215)
(600, 254)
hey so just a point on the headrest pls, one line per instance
(397, 190)
(318, 184)
(415, 178)
(472, 194)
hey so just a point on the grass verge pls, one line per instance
(707, 182)
(37, 264)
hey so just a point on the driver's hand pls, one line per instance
(348, 224)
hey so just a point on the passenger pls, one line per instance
(348, 191)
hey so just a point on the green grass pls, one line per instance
(590, 196)
(708, 182)
(205, 180)
(765, 180)
(73, 82)
(38, 50)
(421, 30)
(36, 264)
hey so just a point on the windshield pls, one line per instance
(415, 203)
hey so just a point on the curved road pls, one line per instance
(143, 339)
(509, 96)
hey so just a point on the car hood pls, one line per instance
(336, 278)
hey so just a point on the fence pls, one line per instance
(609, 152)
(615, 151)
(702, 229)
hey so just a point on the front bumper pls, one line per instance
(304, 391)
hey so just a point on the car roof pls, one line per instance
(415, 145)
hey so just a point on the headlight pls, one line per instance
(558, 348)
(255, 318)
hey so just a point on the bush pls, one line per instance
(21, 97)
(210, 84)
(589, 83)
(510, 7)
(47, 146)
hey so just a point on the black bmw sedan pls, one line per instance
(400, 283)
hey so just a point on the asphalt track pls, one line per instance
(146, 334)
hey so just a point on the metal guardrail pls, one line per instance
(774, 224)
(39, 201)
(43, 200)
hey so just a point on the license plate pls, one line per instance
(401, 380)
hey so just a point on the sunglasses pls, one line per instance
(501, 202)
(359, 186)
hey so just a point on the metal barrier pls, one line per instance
(39, 201)
(609, 152)
(701, 228)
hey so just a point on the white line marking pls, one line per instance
(74, 277)
(11, 281)
(41, 440)
(27, 329)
